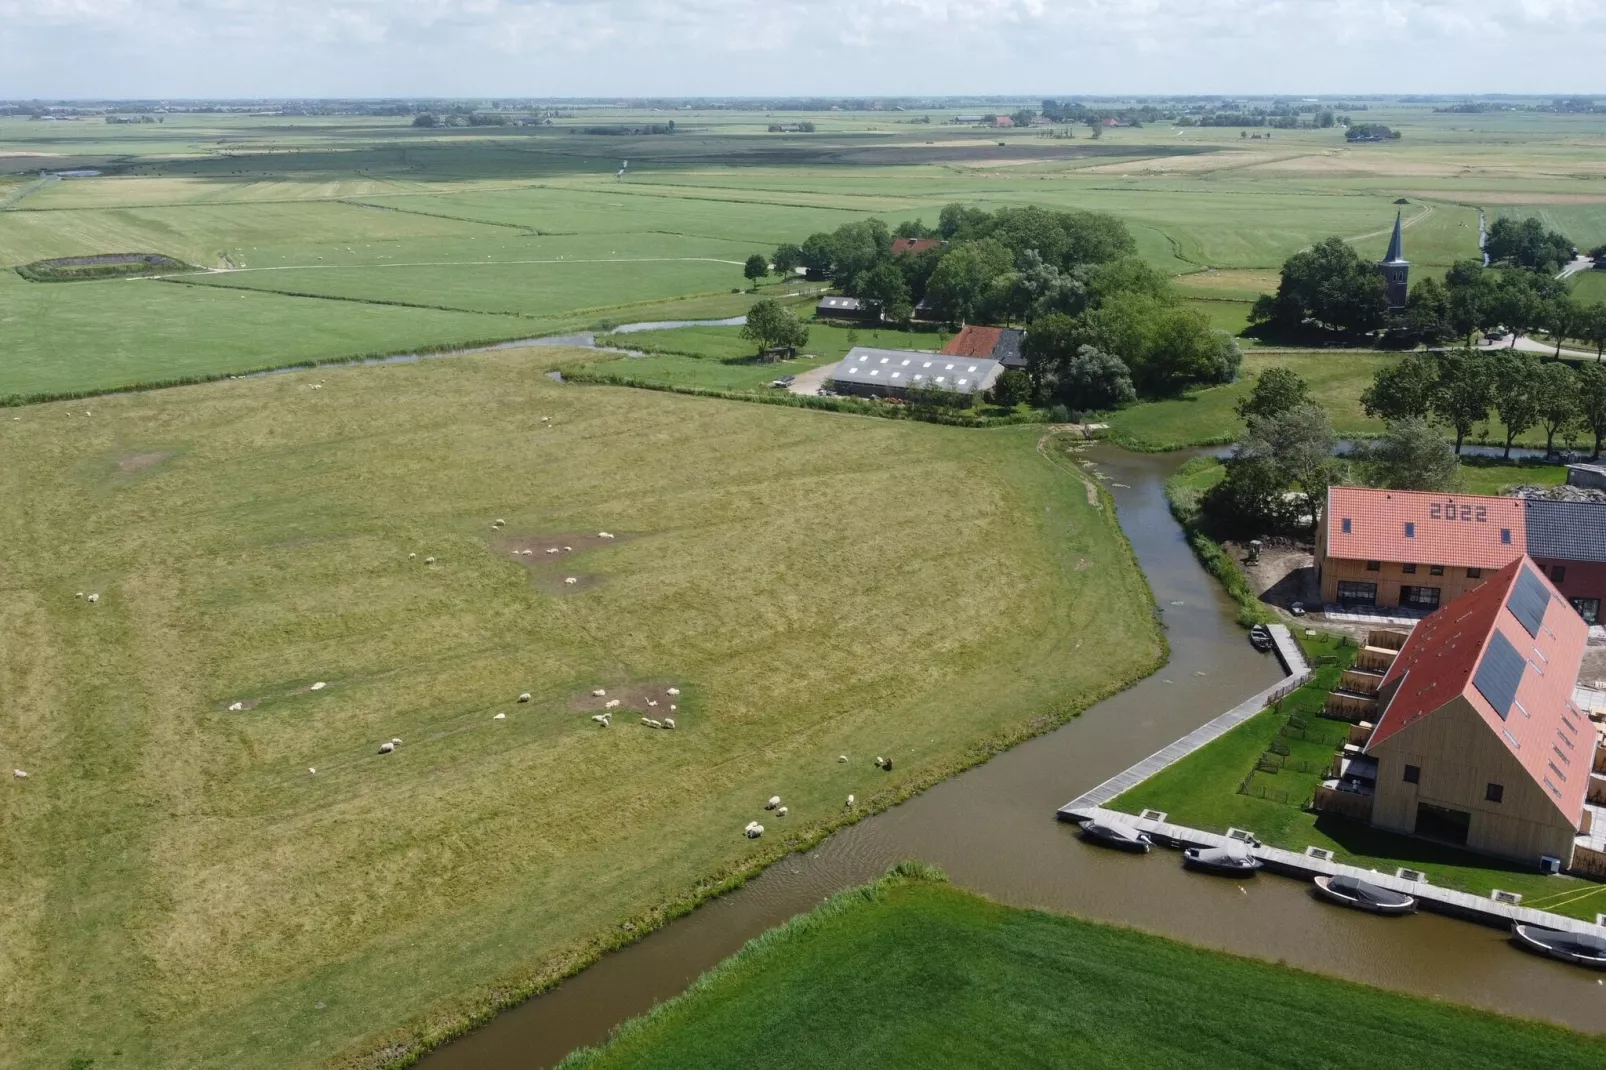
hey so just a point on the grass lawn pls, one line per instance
(1589, 286)
(1260, 775)
(910, 972)
(180, 891)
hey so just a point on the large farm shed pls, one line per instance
(1478, 742)
(1419, 550)
(837, 307)
(870, 372)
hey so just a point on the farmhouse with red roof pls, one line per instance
(912, 246)
(1479, 743)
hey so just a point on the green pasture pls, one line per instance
(1261, 775)
(182, 891)
(1590, 286)
(911, 972)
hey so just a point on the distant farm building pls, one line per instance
(1417, 550)
(911, 246)
(1002, 122)
(870, 372)
(838, 307)
(1478, 742)
(995, 343)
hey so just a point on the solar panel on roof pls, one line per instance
(1529, 600)
(1499, 674)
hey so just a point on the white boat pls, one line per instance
(1354, 892)
(1116, 834)
(1232, 860)
(1581, 949)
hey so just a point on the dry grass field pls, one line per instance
(180, 890)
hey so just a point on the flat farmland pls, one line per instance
(250, 539)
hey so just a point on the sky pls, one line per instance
(542, 48)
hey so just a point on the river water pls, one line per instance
(993, 830)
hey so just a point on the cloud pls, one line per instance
(659, 47)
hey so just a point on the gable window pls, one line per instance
(1494, 793)
(1410, 530)
(1374, 566)
(1413, 774)
(1474, 573)
(1409, 570)
(1435, 570)
(1558, 573)
(1346, 525)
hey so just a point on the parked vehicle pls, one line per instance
(1354, 892)
(1581, 949)
(784, 380)
(1115, 834)
(1232, 860)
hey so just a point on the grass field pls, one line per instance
(180, 891)
(530, 222)
(910, 972)
(1237, 782)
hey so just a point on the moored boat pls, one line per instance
(1581, 949)
(1232, 860)
(1354, 892)
(1115, 834)
(1260, 638)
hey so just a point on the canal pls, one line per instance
(993, 830)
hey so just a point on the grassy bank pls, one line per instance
(1183, 492)
(250, 538)
(910, 972)
(1262, 774)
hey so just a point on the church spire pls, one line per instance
(1396, 253)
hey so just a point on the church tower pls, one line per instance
(1395, 268)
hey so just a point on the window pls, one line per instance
(1346, 525)
(1413, 774)
(1435, 570)
(1409, 570)
(1474, 573)
(1410, 530)
(1494, 793)
(1357, 594)
(1588, 608)
(1374, 566)
(1558, 573)
(1419, 597)
(1505, 536)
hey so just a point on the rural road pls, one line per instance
(809, 382)
(1528, 345)
(1579, 263)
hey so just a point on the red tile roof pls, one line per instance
(973, 342)
(1439, 662)
(903, 246)
(1466, 530)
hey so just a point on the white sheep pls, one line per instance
(412, 557)
(570, 579)
(598, 693)
(526, 553)
(754, 831)
(396, 740)
(525, 697)
(500, 717)
(600, 718)
(672, 707)
(568, 549)
(20, 774)
(652, 702)
(80, 594)
(546, 419)
(386, 748)
(93, 599)
(611, 704)
(513, 553)
(429, 560)
(311, 771)
(841, 757)
(604, 535)
(552, 549)
(673, 691)
(780, 811)
(236, 707)
(319, 686)
(669, 722)
(775, 800)
(850, 802)
(500, 521)
(879, 762)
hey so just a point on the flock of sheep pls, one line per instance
(754, 830)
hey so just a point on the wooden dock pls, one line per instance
(1294, 663)
(1314, 862)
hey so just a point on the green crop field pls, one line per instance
(181, 890)
(370, 213)
(910, 972)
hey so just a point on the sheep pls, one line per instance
(386, 748)
(500, 717)
(93, 599)
(412, 557)
(319, 686)
(887, 765)
(236, 707)
(568, 549)
(429, 560)
(20, 774)
(673, 691)
(552, 549)
(669, 722)
(652, 702)
(841, 757)
(775, 800)
(570, 579)
(526, 553)
(646, 723)
(525, 697)
(604, 535)
(850, 802)
(598, 693)
(653, 723)
(499, 522)
(672, 707)
(601, 718)
(80, 594)
(878, 762)
(611, 704)
(311, 771)
(780, 811)
(754, 831)
(395, 741)
(546, 419)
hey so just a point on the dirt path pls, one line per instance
(1080, 430)
(808, 383)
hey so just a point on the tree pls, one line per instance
(1092, 379)
(963, 278)
(1592, 402)
(1404, 390)
(1515, 304)
(1556, 389)
(1167, 347)
(1564, 318)
(756, 268)
(884, 285)
(787, 259)
(1593, 326)
(1300, 442)
(1412, 455)
(1427, 309)
(1330, 284)
(770, 324)
(1516, 397)
(425, 120)
(1276, 391)
(1464, 391)
(1250, 498)
(1012, 388)
(1051, 341)
(1527, 244)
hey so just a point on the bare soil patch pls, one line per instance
(632, 699)
(138, 462)
(547, 557)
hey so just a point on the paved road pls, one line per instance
(1529, 345)
(1580, 263)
